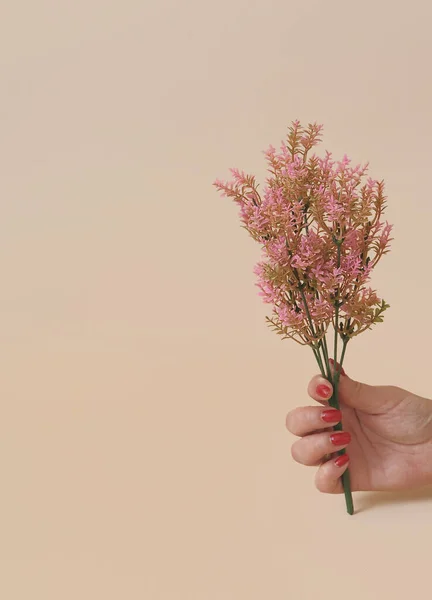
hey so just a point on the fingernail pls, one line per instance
(323, 390)
(331, 416)
(341, 369)
(341, 460)
(341, 438)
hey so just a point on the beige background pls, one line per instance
(143, 399)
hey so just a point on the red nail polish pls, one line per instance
(338, 367)
(331, 416)
(341, 460)
(323, 390)
(340, 438)
(341, 369)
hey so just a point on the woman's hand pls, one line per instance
(387, 433)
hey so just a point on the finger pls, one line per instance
(307, 419)
(327, 478)
(311, 450)
(368, 398)
(320, 389)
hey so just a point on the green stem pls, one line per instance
(334, 400)
(346, 482)
(319, 360)
(311, 325)
(336, 324)
(336, 333)
(344, 346)
(334, 403)
(326, 356)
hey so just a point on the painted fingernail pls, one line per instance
(341, 460)
(341, 369)
(341, 438)
(323, 390)
(331, 416)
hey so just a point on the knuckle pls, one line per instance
(292, 419)
(312, 385)
(321, 483)
(303, 453)
(288, 421)
(319, 486)
(357, 388)
(295, 452)
(325, 483)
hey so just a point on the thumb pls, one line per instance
(372, 399)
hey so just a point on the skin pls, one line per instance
(391, 437)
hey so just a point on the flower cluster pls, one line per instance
(320, 225)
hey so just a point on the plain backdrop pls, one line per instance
(143, 399)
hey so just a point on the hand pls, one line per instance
(388, 436)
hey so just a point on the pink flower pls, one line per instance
(319, 224)
(289, 317)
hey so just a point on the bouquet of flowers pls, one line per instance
(320, 225)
